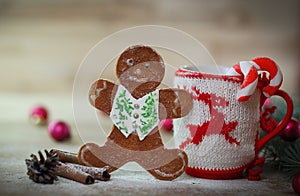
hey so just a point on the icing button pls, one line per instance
(136, 106)
(135, 115)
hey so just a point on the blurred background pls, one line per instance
(42, 43)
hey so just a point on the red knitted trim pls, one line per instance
(199, 75)
(216, 174)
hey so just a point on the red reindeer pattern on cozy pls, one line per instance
(216, 125)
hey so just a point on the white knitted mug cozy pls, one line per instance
(220, 134)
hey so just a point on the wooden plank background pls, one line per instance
(43, 42)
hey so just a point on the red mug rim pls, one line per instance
(190, 72)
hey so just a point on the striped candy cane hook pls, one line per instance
(249, 70)
(276, 77)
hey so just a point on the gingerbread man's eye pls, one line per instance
(130, 62)
(147, 65)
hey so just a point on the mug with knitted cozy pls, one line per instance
(220, 134)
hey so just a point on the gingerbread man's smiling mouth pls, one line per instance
(136, 79)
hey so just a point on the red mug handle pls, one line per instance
(278, 126)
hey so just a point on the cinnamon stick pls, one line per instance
(97, 173)
(65, 157)
(69, 167)
(70, 172)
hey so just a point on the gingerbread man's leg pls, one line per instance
(164, 164)
(90, 154)
(110, 154)
(174, 168)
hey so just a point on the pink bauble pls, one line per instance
(39, 115)
(167, 124)
(296, 183)
(59, 130)
(291, 131)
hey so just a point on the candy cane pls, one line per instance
(276, 78)
(248, 87)
(249, 70)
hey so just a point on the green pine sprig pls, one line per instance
(290, 160)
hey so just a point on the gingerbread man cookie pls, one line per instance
(136, 108)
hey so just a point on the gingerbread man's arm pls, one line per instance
(101, 95)
(174, 103)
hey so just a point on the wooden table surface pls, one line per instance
(19, 139)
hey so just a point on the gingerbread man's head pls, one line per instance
(140, 69)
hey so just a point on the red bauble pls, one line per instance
(291, 131)
(167, 124)
(39, 115)
(59, 130)
(296, 183)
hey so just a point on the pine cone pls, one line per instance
(43, 170)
